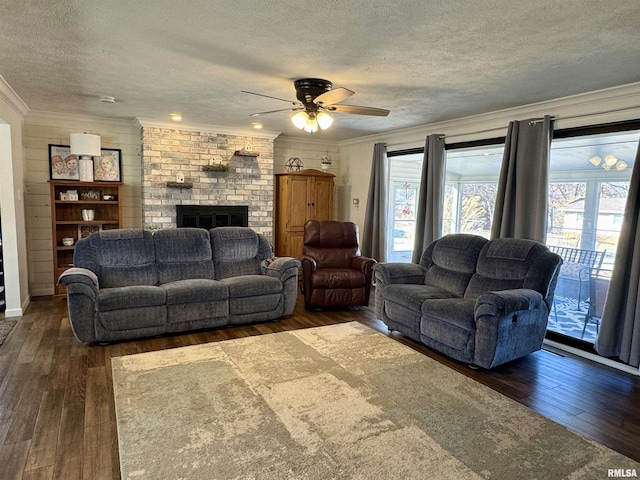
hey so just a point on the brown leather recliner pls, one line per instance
(334, 274)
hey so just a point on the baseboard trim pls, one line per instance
(594, 358)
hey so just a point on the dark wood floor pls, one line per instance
(57, 417)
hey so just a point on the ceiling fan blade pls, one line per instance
(269, 96)
(357, 110)
(333, 96)
(275, 111)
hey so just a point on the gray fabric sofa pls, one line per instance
(478, 301)
(131, 283)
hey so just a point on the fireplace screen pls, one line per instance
(205, 216)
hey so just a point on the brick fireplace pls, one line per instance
(168, 154)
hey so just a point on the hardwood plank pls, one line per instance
(44, 473)
(45, 434)
(12, 458)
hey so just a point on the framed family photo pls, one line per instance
(108, 166)
(62, 165)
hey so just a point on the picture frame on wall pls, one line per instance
(62, 164)
(108, 166)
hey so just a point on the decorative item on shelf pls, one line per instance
(294, 164)
(326, 161)
(247, 151)
(180, 177)
(107, 166)
(64, 196)
(72, 195)
(90, 195)
(85, 230)
(67, 241)
(109, 198)
(88, 214)
(63, 165)
(85, 146)
(216, 165)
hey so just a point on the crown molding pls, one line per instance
(599, 106)
(48, 118)
(203, 128)
(10, 96)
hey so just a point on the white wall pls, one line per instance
(603, 106)
(12, 111)
(42, 129)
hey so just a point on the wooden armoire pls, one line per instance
(300, 196)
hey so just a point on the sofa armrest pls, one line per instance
(82, 290)
(362, 264)
(81, 276)
(495, 304)
(509, 325)
(391, 272)
(282, 268)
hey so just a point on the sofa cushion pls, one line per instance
(450, 262)
(449, 322)
(120, 298)
(238, 251)
(412, 296)
(252, 286)
(330, 243)
(183, 253)
(119, 258)
(195, 290)
(503, 264)
(337, 278)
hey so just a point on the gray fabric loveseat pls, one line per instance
(480, 302)
(131, 283)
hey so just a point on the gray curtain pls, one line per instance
(620, 325)
(522, 198)
(431, 196)
(375, 217)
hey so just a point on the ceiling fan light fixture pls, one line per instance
(299, 119)
(595, 161)
(311, 125)
(324, 120)
(610, 160)
(621, 165)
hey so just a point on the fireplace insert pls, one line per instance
(209, 216)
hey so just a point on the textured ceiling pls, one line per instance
(425, 60)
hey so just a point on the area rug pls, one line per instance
(6, 325)
(334, 402)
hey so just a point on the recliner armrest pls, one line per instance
(396, 272)
(499, 303)
(362, 264)
(309, 261)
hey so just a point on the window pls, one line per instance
(472, 171)
(404, 172)
(470, 191)
(589, 175)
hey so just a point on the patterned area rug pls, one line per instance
(6, 325)
(334, 402)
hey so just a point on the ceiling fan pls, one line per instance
(316, 99)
